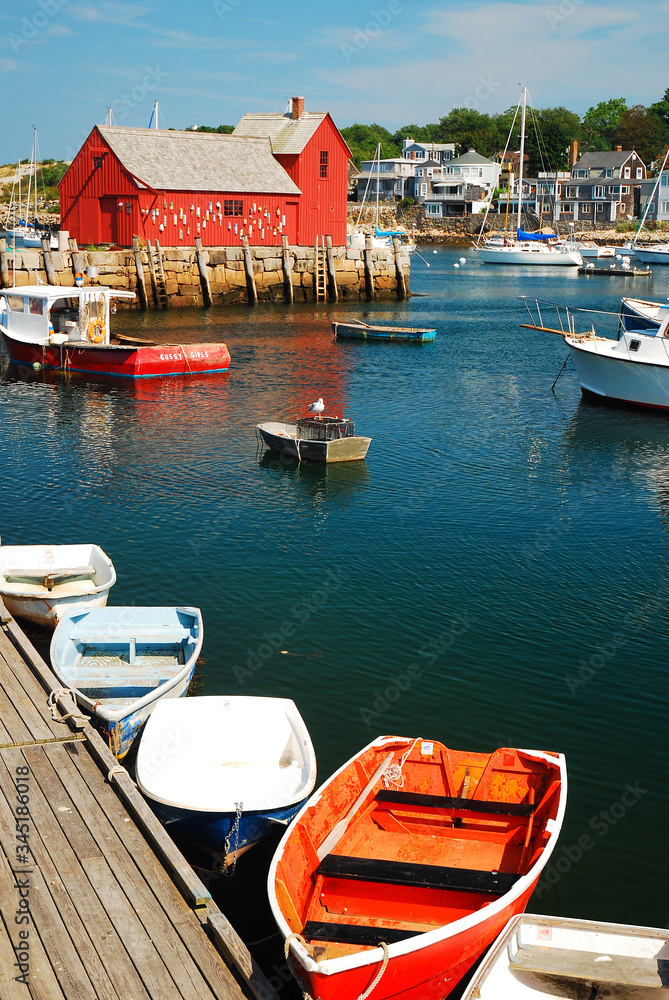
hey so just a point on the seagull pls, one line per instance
(317, 407)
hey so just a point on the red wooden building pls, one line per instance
(311, 148)
(175, 186)
(275, 175)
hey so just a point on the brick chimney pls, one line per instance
(297, 106)
(573, 152)
(619, 149)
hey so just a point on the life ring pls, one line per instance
(96, 331)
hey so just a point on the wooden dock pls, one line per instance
(96, 901)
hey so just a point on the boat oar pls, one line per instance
(338, 831)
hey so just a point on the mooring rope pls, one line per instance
(306, 995)
(53, 706)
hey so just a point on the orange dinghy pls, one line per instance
(407, 863)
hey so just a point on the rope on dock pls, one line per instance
(52, 704)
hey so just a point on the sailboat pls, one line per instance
(21, 233)
(382, 239)
(527, 248)
(658, 254)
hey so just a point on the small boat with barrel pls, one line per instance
(240, 770)
(121, 661)
(43, 583)
(407, 863)
(315, 439)
(563, 958)
(48, 326)
(358, 330)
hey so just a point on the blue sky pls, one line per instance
(62, 62)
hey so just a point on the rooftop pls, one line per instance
(198, 161)
(286, 134)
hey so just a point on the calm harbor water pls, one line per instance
(510, 542)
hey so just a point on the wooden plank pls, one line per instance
(25, 698)
(42, 672)
(455, 804)
(358, 934)
(204, 277)
(163, 845)
(146, 949)
(10, 989)
(402, 280)
(81, 913)
(43, 984)
(369, 268)
(137, 882)
(139, 270)
(420, 876)
(235, 951)
(287, 265)
(250, 276)
(204, 954)
(332, 274)
(45, 919)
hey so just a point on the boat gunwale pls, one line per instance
(96, 708)
(420, 941)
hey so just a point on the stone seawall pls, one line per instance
(224, 273)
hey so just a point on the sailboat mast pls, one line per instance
(522, 154)
(651, 196)
(378, 182)
(35, 169)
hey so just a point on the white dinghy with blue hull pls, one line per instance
(225, 773)
(120, 662)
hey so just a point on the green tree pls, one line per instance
(470, 129)
(661, 108)
(549, 132)
(224, 129)
(362, 140)
(601, 121)
(421, 133)
(642, 130)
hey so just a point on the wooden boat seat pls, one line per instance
(361, 934)
(168, 636)
(50, 577)
(419, 876)
(462, 805)
(622, 969)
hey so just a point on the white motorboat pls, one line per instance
(640, 314)
(564, 958)
(633, 369)
(44, 583)
(319, 439)
(653, 254)
(527, 248)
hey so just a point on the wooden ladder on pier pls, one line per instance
(320, 278)
(157, 274)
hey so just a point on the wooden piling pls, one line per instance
(139, 271)
(48, 261)
(204, 277)
(332, 274)
(250, 276)
(369, 268)
(75, 256)
(402, 280)
(287, 271)
(4, 268)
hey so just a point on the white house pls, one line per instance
(472, 168)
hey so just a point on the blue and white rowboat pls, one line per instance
(224, 773)
(121, 661)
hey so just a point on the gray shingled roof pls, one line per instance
(287, 135)
(603, 158)
(198, 161)
(470, 157)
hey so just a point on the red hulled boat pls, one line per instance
(406, 864)
(68, 329)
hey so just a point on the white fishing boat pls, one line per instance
(653, 254)
(43, 583)
(121, 661)
(632, 369)
(639, 314)
(565, 958)
(317, 439)
(239, 771)
(534, 249)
